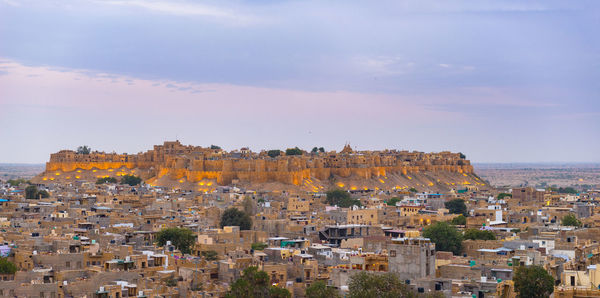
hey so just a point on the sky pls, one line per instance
(500, 81)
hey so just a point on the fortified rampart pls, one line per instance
(174, 161)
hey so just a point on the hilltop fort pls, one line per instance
(193, 167)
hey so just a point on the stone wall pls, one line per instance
(175, 161)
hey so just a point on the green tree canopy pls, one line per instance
(445, 237)
(215, 147)
(570, 220)
(475, 234)
(319, 289)
(210, 255)
(393, 201)
(340, 198)
(385, 285)
(83, 149)
(235, 217)
(460, 220)
(567, 190)
(457, 206)
(314, 150)
(7, 267)
(259, 246)
(533, 282)
(16, 182)
(293, 151)
(321, 149)
(105, 180)
(255, 283)
(131, 180)
(503, 195)
(274, 153)
(32, 193)
(183, 239)
(412, 189)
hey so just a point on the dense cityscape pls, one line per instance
(101, 225)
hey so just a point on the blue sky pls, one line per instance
(501, 81)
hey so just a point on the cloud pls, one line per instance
(72, 88)
(383, 65)
(185, 8)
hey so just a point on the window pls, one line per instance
(392, 253)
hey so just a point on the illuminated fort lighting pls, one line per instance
(78, 171)
(57, 174)
(68, 177)
(353, 187)
(181, 181)
(110, 170)
(464, 174)
(94, 171)
(340, 184)
(380, 180)
(77, 177)
(200, 183)
(45, 178)
(51, 179)
(365, 188)
(209, 183)
(409, 177)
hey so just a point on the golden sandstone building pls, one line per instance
(173, 163)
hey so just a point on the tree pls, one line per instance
(457, 206)
(259, 246)
(7, 267)
(445, 237)
(277, 292)
(393, 201)
(234, 217)
(183, 239)
(31, 192)
(215, 147)
(533, 281)
(210, 255)
(340, 198)
(274, 153)
(412, 189)
(131, 180)
(570, 220)
(43, 193)
(16, 182)
(462, 156)
(475, 234)
(314, 150)
(385, 285)
(104, 180)
(460, 220)
(319, 289)
(321, 149)
(503, 195)
(567, 190)
(293, 151)
(83, 149)
(255, 283)
(171, 282)
(249, 206)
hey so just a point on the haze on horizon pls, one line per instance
(501, 81)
